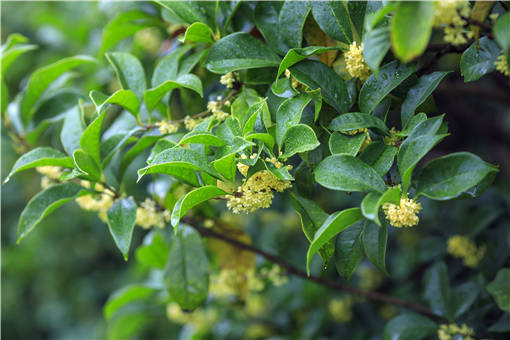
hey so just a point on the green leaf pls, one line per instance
(198, 32)
(41, 79)
(315, 75)
(295, 55)
(191, 199)
(437, 290)
(377, 87)
(289, 114)
(239, 51)
(333, 225)
(125, 98)
(155, 253)
(178, 162)
(42, 204)
(357, 120)
(419, 142)
(500, 289)
(349, 250)
(411, 27)
(129, 72)
(373, 201)
(91, 138)
(42, 156)
(312, 218)
(375, 239)
(168, 67)
(265, 137)
(125, 296)
(333, 19)
(379, 156)
(187, 270)
(298, 138)
(345, 144)
(500, 30)
(123, 26)
(447, 177)
(409, 326)
(121, 219)
(376, 44)
(189, 81)
(348, 173)
(419, 93)
(225, 164)
(142, 144)
(86, 164)
(201, 137)
(187, 12)
(9, 55)
(72, 129)
(478, 60)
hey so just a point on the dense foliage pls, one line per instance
(189, 119)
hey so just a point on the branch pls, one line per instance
(335, 285)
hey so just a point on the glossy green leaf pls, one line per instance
(201, 137)
(478, 60)
(86, 164)
(377, 87)
(199, 32)
(9, 55)
(295, 55)
(298, 138)
(348, 173)
(437, 290)
(240, 51)
(500, 30)
(349, 250)
(125, 98)
(375, 239)
(191, 199)
(71, 131)
(41, 79)
(187, 270)
(333, 225)
(419, 93)
(500, 289)
(379, 156)
(186, 12)
(373, 201)
(142, 144)
(168, 67)
(189, 81)
(121, 219)
(153, 253)
(333, 19)
(411, 27)
(315, 75)
(289, 114)
(42, 156)
(345, 144)
(91, 138)
(409, 326)
(376, 43)
(225, 163)
(447, 177)
(357, 120)
(44, 203)
(419, 142)
(129, 71)
(125, 296)
(312, 218)
(265, 137)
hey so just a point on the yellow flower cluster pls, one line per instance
(451, 15)
(403, 215)
(447, 332)
(232, 282)
(341, 309)
(502, 65)
(277, 164)
(294, 81)
(355, 63)
(367, 140)
(148, 216)
(201, 320)
(228, 80)
(255, 305)
(96, 202)
(166, 127)
(190, 123)
(462, 247)
(215, 108)
(50, 175)
(275, 275)
(393, 139)
(256, 192)
(369, 278)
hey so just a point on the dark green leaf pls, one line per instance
(349, 250)
(142, 144)
(125, 98)
(357, 120)
(478, 61)
(376, 44)
(129, 72)
(373, 201)
(191, 199)
(186, 12)
(333, 19)
(190, 81)
(121, 219)
(289, 114)
(298, 138)
(71, 131)
(86, 164)
(375, 239)
(500, 289)
(437, 290)
(409, 326)
(500, 30)
(295, 55)
(379, 156)
(345, 144)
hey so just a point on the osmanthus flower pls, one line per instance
(393, 139)
(448, 332)
(99, 202)
(355, 63)
(215, 108)
(228, 80)
(147, 215)
(341, 309)
(502, 65)
(166, 127)
(367, 140)
(201, 319)
(462, 247)
(190, 123)
(451, 15)
(404, 214)
(50, 174)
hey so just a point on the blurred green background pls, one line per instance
(56, 282)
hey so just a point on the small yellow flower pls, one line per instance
(502, 65)
(447, 332)
(190, 123)
(367, 140)
(147, 215)
(275, 275)
(341, 309)
(228, 80)
(451, 15)
(201, 320)
(403, 215)
(355, 63)
(166, 127)
(215, 108)
(393, 139)
(462, 247)
(52, 172)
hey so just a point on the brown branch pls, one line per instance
(335, 285)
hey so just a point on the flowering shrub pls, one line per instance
(281, 101)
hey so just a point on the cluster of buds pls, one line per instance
(449, 332)
(215, 108)
(451, 15)
(51, 174)
(355, 63)
(403, 215)
(228, 80)
(392, 140)
(502, 65)
(341, 309)
(275, 275)
(166, 127)
(294, 81)
(147, 215)
(462, 247)
(99, 202)
(190, 123)
(201, 320)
